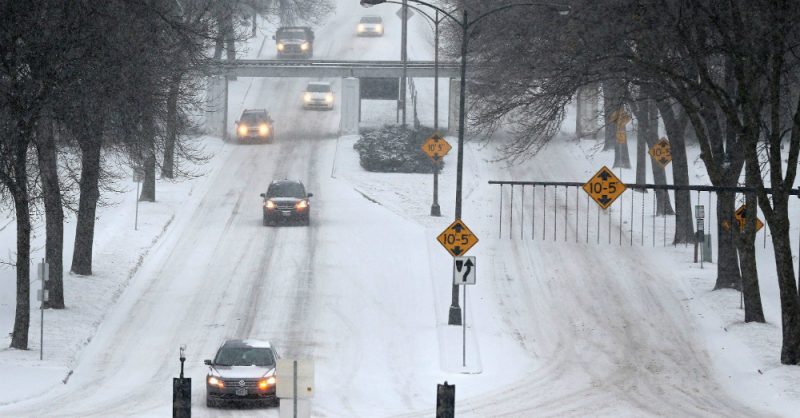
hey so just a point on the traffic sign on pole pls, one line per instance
(436, 147)
(457, 239)
(604, 187)
(661, 152)
(409, 14)
(464, 270)
(740, 215)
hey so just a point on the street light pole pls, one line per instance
(404, 58)
(454, 317)
(435, 209)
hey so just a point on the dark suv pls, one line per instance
(242, 371)
(294, 42)
(255, 125)
(286, 200)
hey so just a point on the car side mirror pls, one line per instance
(264, 195)
(207, 362)
(236, 122)
(273, 36)
(310, 194)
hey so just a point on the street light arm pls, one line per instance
(442, 11)
(418, 10)
(560, 7)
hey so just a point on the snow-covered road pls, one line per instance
(564, 330)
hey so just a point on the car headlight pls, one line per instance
(243, 130)
(361, 28)
(379, 28)
(264, 384)
(307, 97)
(263, 130)
(269, 204)
(213, 381)
(280, 47)
(301, 204)
(304, 46)
(329, 98)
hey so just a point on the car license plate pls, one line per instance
(241, 392)
(286, 213)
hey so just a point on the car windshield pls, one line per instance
(371, 19)
(286, 189)
(253, 118)
(244, 356)
(292, 34)
(318, 88)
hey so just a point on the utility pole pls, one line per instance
(404, 58)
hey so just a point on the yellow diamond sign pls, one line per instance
(620, 117)
(457, 239)
(661, 152)
(740, 215)
(604, 187)
(436, 147)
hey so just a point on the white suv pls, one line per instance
(318, 95)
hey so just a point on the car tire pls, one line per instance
(211, 403)
(265, 221)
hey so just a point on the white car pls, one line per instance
(370, 26)
(318, 95)
(242, 371)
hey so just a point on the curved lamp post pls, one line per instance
(435, 209)
(454, 317)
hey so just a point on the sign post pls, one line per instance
(295, 387)
(700, 214)
(43, 296)
(464, 274)
(436, 148)
(138, 175)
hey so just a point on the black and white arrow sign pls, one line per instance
(464, 270)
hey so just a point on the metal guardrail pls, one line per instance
(335, 68)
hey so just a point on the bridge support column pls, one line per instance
(216, 106)
(351, 99)
(452, 106)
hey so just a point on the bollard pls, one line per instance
(445, 401)
(182, 393)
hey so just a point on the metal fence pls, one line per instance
(563, 211)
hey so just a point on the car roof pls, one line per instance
(246, 111)
(286, 181)
(249, 343)
(371, 17)
(319, 83)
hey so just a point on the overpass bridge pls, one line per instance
(350, 71)
(336, 68)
